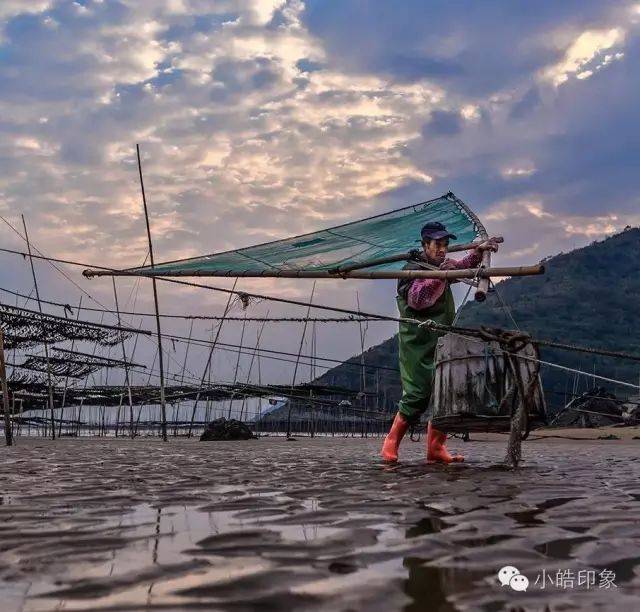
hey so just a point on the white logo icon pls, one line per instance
(511, 576)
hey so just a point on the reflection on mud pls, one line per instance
(120, 525)
(426, 525)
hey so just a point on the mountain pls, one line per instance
(587, 297)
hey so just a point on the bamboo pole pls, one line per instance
(253, 356)
(86, 383)
(13, 415)
(46, 346)
(412, 254)
(259, 421)
(8, 432)
(295, 370)
(483, 283)
(176, 413)
(117, 428)
(208, 364)
(163, 407)
(126, 365)
(142, 405)
(467, 246)
(324, 274)
(312, 378)
(235, 374)
(66, 379)
(209, 402)
(363, 370)
(104, 403)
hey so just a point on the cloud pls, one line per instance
(454, 43)
(518, 170)
(10, 8)
(586, 55)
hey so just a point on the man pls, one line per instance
(425, 299)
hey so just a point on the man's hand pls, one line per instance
(449, 264)
(491, 244)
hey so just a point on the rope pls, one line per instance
(484, 334)
(576, 371)
(464, 301)
(504, 305)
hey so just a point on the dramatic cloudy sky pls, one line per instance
(263, 118)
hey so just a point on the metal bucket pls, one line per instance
(475, 390)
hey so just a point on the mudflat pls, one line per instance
(317, 524)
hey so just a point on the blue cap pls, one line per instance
(435, 231)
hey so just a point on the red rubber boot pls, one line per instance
(394, 437)
(436, 449)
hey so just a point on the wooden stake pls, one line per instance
(163, 406)
(46, 346)
(8, 433)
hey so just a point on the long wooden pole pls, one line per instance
(46, 346)
(320, 274)
(8, 433)
(163, 406)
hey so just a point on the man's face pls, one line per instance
(436, 250)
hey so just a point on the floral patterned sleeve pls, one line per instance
(472, 260)
(425, 292)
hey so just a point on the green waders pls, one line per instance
(417, 347)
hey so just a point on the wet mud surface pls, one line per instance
(316, 525)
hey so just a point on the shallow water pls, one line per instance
(315, 524)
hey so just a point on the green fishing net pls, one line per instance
(380, 236)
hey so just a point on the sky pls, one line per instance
(260, 119)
